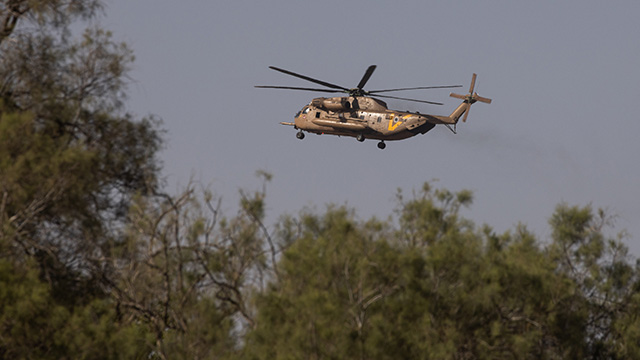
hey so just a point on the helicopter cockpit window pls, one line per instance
(304, 110)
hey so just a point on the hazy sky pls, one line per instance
(563, 126)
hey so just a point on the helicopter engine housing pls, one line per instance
(332, 104)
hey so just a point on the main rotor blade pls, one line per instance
(323, 83)
(366, 76)
(297, 88)
(416, 88)
(405, 99)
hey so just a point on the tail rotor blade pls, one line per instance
(482, 99)
(473, 83)
(466, 113)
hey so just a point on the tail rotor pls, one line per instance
(470, 98)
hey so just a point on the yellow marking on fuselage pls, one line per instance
(393, 126)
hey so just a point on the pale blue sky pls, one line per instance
(563, 126)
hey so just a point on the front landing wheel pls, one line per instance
(381, 145)
(300, 135)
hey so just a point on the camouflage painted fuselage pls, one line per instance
(365, 117)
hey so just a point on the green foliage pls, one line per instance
(32, 326)
(51, 15)
(331, 279)
(70, 159)
(431, 214)
(38, 168)
(606, 283)
(437, 288)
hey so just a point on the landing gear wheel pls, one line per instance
(381, 145)
(360, 137)
(300, 135)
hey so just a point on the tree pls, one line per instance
(606, 282)
(437, 287)
(189, 272)
(55, 14)
(71, 162)
(332, 278)
(32, 326)
(72, 159)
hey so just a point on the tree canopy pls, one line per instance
(97, 261)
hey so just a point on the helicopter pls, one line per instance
(363, 116)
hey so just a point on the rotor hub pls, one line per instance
(357, 92)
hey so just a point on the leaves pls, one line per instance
(438, 288)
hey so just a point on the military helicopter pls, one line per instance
(363, 116)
